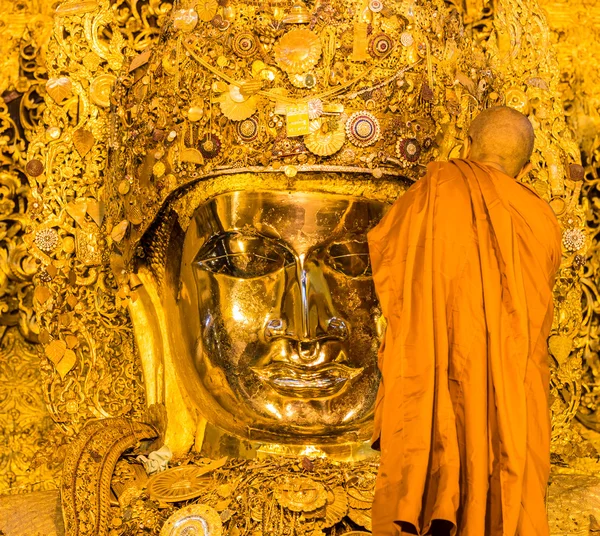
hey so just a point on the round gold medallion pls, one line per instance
(301, 494)
(101, 88)
(177, 484)
(193, 520)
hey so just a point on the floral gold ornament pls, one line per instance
(573, 239)
(101, 88)
(315, 109)
(297, 51)
(301, 494)
(46, 240)
(193, 520)
(408, 150)
(362, 129)
(327, 137)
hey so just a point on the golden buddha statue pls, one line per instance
(251, 149)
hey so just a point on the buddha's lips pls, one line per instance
(307, 382)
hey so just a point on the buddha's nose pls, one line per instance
(337, 328)
(307, 314)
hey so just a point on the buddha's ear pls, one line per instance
(524, 171)
(466, 148)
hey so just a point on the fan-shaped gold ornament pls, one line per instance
(324, 140)
(207, 9)
(297, 51)
(193, 520)
(236, 107)
(101, 88)
(337, 506)
(177, 484)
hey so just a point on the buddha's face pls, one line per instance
(279, 314)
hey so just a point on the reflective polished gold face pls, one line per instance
(278, 314)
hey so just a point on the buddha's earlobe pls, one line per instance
(466, 148)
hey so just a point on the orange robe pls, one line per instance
(464, 265)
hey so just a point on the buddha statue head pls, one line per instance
(254, 153)
(258, 311)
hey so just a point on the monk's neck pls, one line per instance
(494, 165)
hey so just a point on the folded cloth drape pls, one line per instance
(464, 266)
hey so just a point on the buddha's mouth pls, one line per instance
(293, 381)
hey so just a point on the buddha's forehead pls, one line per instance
(296, 217)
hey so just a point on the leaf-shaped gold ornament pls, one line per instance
(59, 88)
(66, 363)
(560, 347)
(119, 231)
(55, 350)
(83, 140)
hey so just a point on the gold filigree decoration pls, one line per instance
(87, 471)
(267, 496)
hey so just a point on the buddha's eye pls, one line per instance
(350, 257)
(244, 256)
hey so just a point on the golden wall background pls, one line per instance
(44, 403)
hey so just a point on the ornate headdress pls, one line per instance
(360, 88)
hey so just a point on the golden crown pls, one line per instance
(338, 86)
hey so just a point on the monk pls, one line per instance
(464, 266)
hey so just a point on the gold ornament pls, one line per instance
(59, 88)
(297, 51)
(235, 106)
(207, 9)
(326, 137)
(193, 520)
(83, 140)
(301, 494)
(299, 14)
(181, 483)
(101, 89)
(516, 98)
(186, 19)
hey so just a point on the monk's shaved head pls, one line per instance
(503, 136)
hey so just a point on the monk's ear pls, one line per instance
(526, 169)
(466, 148)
